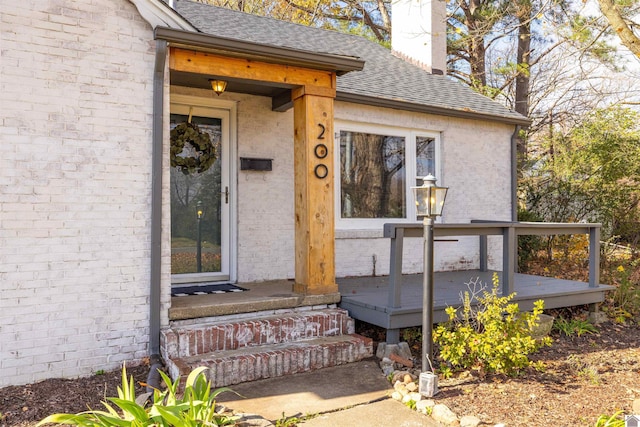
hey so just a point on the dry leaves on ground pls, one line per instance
(585, 377)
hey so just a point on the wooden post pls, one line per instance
(395, 272)
(594, 256)
(314, 195)
(484, 253)
(509, 240)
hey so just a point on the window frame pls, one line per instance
(410, 135)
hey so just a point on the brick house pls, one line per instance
(97, 227)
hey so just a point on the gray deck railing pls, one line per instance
(509, 232)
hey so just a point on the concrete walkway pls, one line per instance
(348, 395)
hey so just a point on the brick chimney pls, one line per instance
(418, 33)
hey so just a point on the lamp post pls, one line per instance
(199, 212)
(429, 203)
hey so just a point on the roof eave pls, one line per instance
(421, 108)
(339, 64)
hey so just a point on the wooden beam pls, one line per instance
(208, 63)
(314, 197)
(282, 102)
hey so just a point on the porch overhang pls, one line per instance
(302, 80)
(261, 52)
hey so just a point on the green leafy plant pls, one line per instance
(411, 404)
(445, 371)
(610, 421)
(287, 421)
(618, 314)
(583, 370)
(195, 408)
(494, 337)
(293, 420)
(574, 326)
(626, 296)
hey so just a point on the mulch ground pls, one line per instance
(585, 377)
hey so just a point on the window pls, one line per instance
(378, 166)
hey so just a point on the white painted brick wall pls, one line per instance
(75, 147)
(265, 199)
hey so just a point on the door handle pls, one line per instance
(226, 194)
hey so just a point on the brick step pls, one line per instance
(274, 360)
(200, 339)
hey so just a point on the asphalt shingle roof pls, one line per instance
(384, 77)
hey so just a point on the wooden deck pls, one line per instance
(395, 301)
(366, 298)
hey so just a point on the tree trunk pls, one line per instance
(620, 26)
(523, 70)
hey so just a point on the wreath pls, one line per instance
(200, 144)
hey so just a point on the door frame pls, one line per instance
(231, 108)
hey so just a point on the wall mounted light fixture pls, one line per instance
(218, 86)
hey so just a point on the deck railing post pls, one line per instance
(594, 256)
(395, 272)
(484, 251)
(508, 258)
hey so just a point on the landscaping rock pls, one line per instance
(416, 397)
(412, 386)
(469, 421)
(401, 360)
(543, 328)
(396, 395)
(407, 398)
(401, 349)
(401, 376)
(388, 366)
(636, 407)
(253, 420)
(597, 317)
(442, 414)
(401, 388)
(425, 405)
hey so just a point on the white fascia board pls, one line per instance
(159, 14)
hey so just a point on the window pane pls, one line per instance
(425, 158)
(372, 172)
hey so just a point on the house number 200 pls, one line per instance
(320, 150)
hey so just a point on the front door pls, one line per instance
(200, 194)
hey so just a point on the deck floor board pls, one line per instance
(367, 298)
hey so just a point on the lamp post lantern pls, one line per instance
(429, 203)
(199, 212)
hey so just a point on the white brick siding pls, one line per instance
(75, 147)
(265, 199)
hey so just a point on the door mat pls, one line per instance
(205, 289)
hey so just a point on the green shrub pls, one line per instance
(610, 421)
(626, 296)
(195, 408)
(494, 337)
(577, 327)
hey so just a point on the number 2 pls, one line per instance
(322, 130)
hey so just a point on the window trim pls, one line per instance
(410, 135)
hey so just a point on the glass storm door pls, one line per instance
(199, 194)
